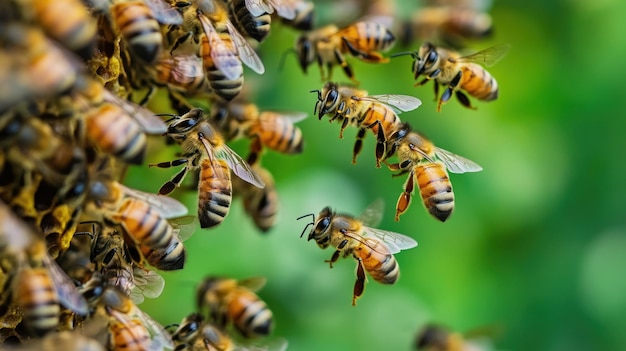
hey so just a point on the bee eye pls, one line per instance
(322, 225)
(432, 57)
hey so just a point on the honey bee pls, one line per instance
(40, 285)
(143, 217)
(350, 105)
(428, 165)
(256, 27)
(222, 48)
(112, 260)
(304, 15)
(458, 73)
(232, 301)
(272, 129)
(137, 21)
(181, 73)
(114, 125)
(204, 149)
(68, 22)
(260, 204)
(129, 327)
(327, 46)
(373, 249)
(437, 338)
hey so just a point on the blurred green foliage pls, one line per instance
(536, 245)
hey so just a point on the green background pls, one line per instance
(535, 248)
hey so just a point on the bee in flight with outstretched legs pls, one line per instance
(373, 249)
(204, 149)
(457, 73)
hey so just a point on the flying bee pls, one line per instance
(272, 129)
(67, 21)
(128, 326)
(327, 45)
(231, 301)
(350, 105)
(304, 15)
(458, 73)
(117, 127)
(373, 249)
(39, 284)
(137, 21)
(451, 24)
(204, 149)
(144, 217)
(260, 204)
(437, 338)
(222, 48)
(428, 165)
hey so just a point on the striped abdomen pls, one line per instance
(116, 133)
(144, 224)
(140, 29)
(214, 192)
(278, 133)
(379, 112)
(169, 258)
(366, 37)
(220, 82)
(249, 314)
(128, 334)
(435, 189)
(256, 27)
(478, 82)
(35, 293)
(377, 261)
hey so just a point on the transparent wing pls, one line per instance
(258, 7)
(147, 283)
(395, 241)
(149, 122)
(184, 227)
(487, 57)
(239, 166)
(291, 116)
(221, 53)
(184, 68)
(284, 8)
(400, 103)
(164, 13)
(65, 288)
(159, 337)
(206, 6)
(455, 163)
(373, 213)
(253, 284)
(166, 206)
(246, 53)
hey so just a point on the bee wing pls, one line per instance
(395, 241)
(455, 163)
(284, 8)
(221, 53)
(166, 206)
(246, 53)
(164, 13)
(65, 288)
(184, 227)
(373, 213)
(253, 284)
(239, 166)
(400, 103)
(159, 337)
(291, 116)
(149, 122)
(148, 283)
(184, 68)
(487, 57)
(258, 7)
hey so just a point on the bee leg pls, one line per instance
(405, 198)
(180, 40)
(359, 284)
(333, 258)
(344, 65)
(464, 100)
(344, 124)
(358, 144)
(436, 89)
(372, 57)
(447, 94)
(148, 96)
(381, 144)
(170, 185)
(255, 150)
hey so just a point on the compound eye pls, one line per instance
(322, 225)
(432, 57)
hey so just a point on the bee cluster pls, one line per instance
(78, 248)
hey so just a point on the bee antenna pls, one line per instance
(281, 63)
(308, 224)
(405, 53)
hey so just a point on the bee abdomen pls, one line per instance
(168, 259)
(144, 224)
(382, 267)
(436, 190)
(479, 83)
(225, 88)
(251, 316)
(214, 193)
(36, 295)
(130, 336)
(256, 27)
(138, 26)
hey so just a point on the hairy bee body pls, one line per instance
(214, 192)
(36, 294)
(435, 189)
(222, 86)
(140, 29)
(256, 27)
